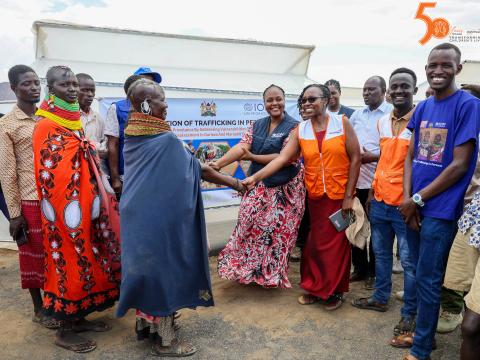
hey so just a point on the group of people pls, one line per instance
(75, 185)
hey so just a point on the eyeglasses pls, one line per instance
(311, 99)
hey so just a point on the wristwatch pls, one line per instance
(417, 199)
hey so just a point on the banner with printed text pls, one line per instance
(211, 127)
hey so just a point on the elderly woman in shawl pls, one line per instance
(164, 242)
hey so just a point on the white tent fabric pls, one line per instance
(110, 55)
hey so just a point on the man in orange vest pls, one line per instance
(385, 197)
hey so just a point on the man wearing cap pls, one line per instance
(114, 126)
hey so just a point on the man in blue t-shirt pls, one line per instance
(441, 161)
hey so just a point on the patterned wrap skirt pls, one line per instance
(259, 248)
(32, 254)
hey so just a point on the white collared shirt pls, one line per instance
(364, 122)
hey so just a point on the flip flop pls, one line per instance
(405, 341)
(402, 341)
(308, 299)
(81, 348)
(177, 349)
(94, 326)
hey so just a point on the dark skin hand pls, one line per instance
(448, 177)
(410, 215)
(16, 225)
(112, 146)
(210, 175)
(369, 157)
(260, 159)
(368, 202)
(354, 155)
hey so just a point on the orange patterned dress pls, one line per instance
(80, 224)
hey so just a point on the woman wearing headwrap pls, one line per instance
(80, 222)
(164, 242)
(269, 217)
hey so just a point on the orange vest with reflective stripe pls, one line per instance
(388, 180)
(326, 172)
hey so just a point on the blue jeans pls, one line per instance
(386, 222)
(429, 250)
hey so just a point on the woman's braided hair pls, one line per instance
(335, 83)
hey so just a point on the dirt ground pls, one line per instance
(248, 322)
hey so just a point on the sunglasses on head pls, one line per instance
(311, 99)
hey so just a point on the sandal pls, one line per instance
(46, 322)
(308, 299)
(334, 302)
(176, 349)
(81, 348)
(369, 304)
(406, 325)
(402, 341)
(405, 341)
(94, 326)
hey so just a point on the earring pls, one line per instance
(145, 107)
(51, 101)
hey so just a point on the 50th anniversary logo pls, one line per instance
(440, 28)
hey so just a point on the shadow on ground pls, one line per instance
(248, 322)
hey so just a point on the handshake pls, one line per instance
(211, 172)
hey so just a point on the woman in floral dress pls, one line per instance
(259, 248)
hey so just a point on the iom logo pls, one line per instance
(253, 108)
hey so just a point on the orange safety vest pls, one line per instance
(388, 180)
(325, 171)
